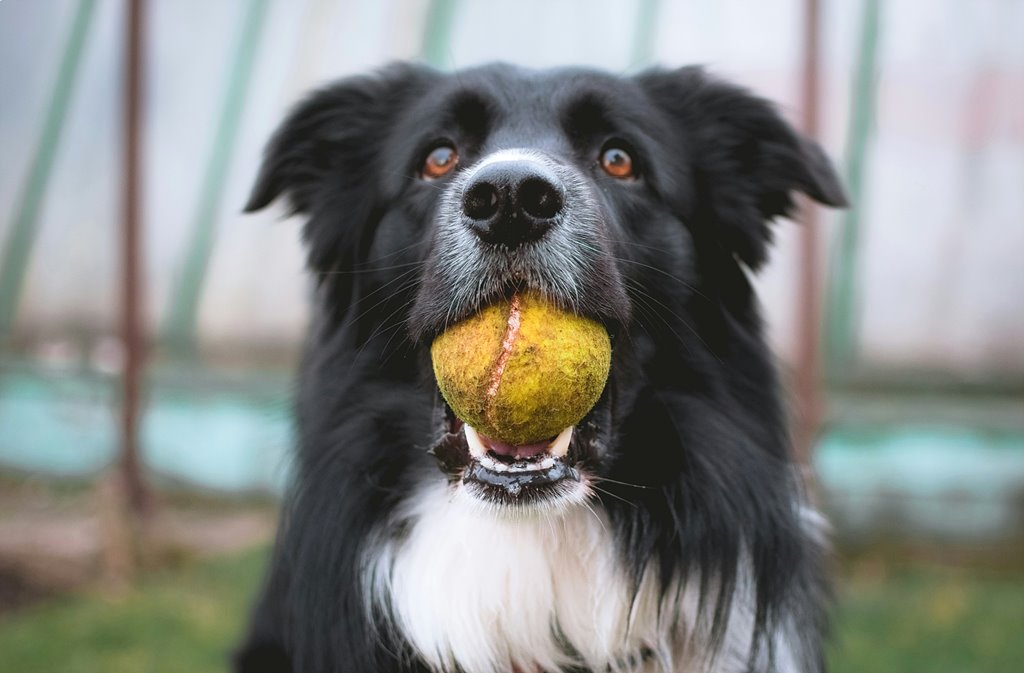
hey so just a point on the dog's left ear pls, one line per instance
(747, 160)
(326, 158)
(335, 133)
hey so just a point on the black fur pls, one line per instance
(693, 407)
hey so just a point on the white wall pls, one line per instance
(941, 282)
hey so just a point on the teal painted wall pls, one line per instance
(935, 478)
(66, 426)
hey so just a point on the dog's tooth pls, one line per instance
(560, 446)
(492, 464)
(476, 445)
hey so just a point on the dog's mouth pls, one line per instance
(539, 473)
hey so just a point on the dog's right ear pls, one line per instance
(747, 160)
(329, 141)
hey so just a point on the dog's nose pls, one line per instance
(512, 202)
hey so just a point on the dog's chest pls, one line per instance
(480, 592)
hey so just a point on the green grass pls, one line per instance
(934, 621)
(927, 620)
(177, 621)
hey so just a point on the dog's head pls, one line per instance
(638, 201)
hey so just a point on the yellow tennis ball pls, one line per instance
(522, 370)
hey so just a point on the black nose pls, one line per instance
(512, 202)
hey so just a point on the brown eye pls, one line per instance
(617, 163)
(439, 162)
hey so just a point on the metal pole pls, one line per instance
(132, 263)
(437, 33)
(808, 355)
(181, 322)
(841, 310)
(17, 247)
(644, 33)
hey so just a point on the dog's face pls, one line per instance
(634, 201)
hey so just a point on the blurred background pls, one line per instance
(149, 331)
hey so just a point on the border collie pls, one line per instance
(672, 534)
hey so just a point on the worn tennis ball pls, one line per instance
(522, 370)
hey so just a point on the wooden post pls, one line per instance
(808, 352)
(138, 496)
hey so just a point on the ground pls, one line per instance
(935, 609)
(185, 619)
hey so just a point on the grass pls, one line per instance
(175, 621)
(933, 620)
(929, 620)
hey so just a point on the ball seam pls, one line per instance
(512, 325)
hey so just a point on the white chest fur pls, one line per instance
(482, 592)
(488, 592)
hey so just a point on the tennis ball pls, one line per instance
(522, 370)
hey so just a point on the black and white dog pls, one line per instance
(671, 533)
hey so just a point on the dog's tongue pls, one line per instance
(516, 450)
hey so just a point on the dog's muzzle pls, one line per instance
(512, 202)
(519, 220)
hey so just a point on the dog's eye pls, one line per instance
(439, 162)
(617, 163)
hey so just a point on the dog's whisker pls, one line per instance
(597, 516)
(404, 287)
(416, 179)
(395, 330)
(614, 495)
(621, 483)
(684, 283)
(370, 269)
(647, 297)
(404, 305)
(397, 252)
(634, 244)
(685, 323)
(382, 328)
(648, 311)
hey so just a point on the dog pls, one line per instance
(673, 533)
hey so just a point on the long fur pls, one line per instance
(695, 550)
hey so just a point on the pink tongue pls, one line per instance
(515, 450)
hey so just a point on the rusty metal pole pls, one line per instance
(808, 348)
(131, 263)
